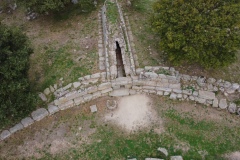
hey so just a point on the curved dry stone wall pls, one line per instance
(163, 81)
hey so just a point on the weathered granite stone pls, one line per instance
(176, 158)
(175, 86)
(186, 77)
(215, 103)
(173, 96)
(66, 105)
(151, 74)
(52, 109)
(42, 96)
(148, 87)
(52, 89)
(223, 104)
(164, 89)
(177, 90)
(211, 80)
(27, 121)
(67, 86)
(238, 111)
(39, 114)
(227, 84)
(131, 91)
(76, 84)
(166, 93)
(92, 89)
(80, 79)
(96, 75)
(96, 95)
(163, 150)
(16, 128)
(232, 108)
(235, 86)
(191, 98)
(187, 92)
(87, 77)
(200, 100)
(104, 86)
(139, 70)
(160, 93)
(78, 101)
(179, 96)
(120, 92)
(46, 91)
(106, 90)
(206, 94)
(55, 86)
(201, 81)
(93, 108)
(195, 93)
(5, 134)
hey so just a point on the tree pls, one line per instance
(16, 100)
(201, 31)
(42, 6)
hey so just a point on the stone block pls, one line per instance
(42, 96)
(187, 92)
(173, 96)
(52, 109)
(87, 97)
(160, 93)
(5, 134)
(139, 70)
(215, 103)
(166, 93)
(92, 89)
(104, 86)
(120, 92)
(137, 87)
(177, 90)
(191, 98)
(27, 121)
(179, 96)
(96, 95)
(176, 158)
(232, 108)
(206, 94)
(150, 83)
(163, 150)
(200, 100)
(67, 86)
(223, 104)
(164, 89)
(78, 101)
(149, 87)
(93, 108)
(66, 105)
(163, 76)
(151, 74)
(138, 82)
(211, 80)
(47, 91)
(195, 93)
(16, 128)
(52, 89)
(39, 114)
(106, 90)
(96, 75)
(87, 77)
(163, 84)
(76, 84)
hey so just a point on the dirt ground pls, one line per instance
(72, 127)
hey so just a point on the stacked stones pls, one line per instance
(100, 43)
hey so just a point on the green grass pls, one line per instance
(112, 12)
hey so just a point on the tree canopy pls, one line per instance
(16, 100)
(200, 31)
(42, 6)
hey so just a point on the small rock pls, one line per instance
(163, 150)
(232, 108)
(215, 103)
(93, 108)
(52, 89)
(42, 96)
(55, 86)
(76, 84)
(47, 91)
(173, 96)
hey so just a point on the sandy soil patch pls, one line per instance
(233, 156)
(133, 113)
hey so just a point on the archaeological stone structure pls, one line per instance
(121, 76)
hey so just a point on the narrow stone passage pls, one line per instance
(120, 66)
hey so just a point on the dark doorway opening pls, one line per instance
(120, 66)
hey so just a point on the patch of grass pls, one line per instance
(112, 12)
(163, 71)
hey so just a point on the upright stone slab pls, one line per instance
(27, 121)
(16, 128)
(39, 114)
(5, 134)
(42, 96)
(206, 94)
(223, 104)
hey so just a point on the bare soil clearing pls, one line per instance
(133, 113)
